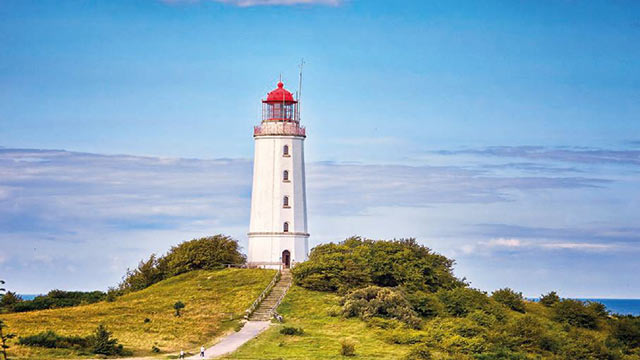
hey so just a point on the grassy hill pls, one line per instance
(447, 338)
(215, 301)
(310, 311)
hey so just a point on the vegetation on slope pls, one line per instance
(208, 253)
(396, 299)
(214, 300)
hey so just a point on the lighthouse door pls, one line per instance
(286, 259)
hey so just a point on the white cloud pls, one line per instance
(579, 246)
(504, 242)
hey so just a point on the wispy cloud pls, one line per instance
(248, 3)
(563, 154)
(60, 209)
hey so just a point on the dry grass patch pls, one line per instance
(215, 301)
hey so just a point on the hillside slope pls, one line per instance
(323, 333)
(215, 301)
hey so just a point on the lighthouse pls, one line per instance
(278, 235)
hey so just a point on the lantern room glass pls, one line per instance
(280, 112)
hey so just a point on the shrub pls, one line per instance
(347, 348)
(501, 354)
(102, 343)
(8, 300)
(383, 323)
(404, 337)
(526, 332)
(146, 274)
(374, 301)
(509, 298)
(420, 352)
(59, 299)
(627, 331)
(177, 307)
(576, 313)
(206, 253)
(581, 345)
(356, 262)
(293, 331)
(49, 339)
(549, 299)
(461, 301)
(425, 304)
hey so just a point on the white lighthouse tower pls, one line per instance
(278, 234)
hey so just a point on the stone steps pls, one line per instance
(264, 310)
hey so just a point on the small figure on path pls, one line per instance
(181, 354)
(202, 351)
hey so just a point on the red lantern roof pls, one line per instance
(280, 95)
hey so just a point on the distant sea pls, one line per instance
(615, 306)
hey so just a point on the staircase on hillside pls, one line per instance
(267, 307)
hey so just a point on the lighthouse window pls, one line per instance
(285, 202)
(285, 227)
(285, 175)
(285, 150)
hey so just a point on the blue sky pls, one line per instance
(505, 134)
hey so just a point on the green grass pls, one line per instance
(215, 301)
(322, 333)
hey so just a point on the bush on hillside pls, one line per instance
(100, 342)
(426, 304)
(49, 339)
(293, 331)
(347, 348)
(208, 253)
(375, 301)
(357, 262)
(529, 333)
(627, 331)
(8, 300)
(461, 301)
(583, 345)
(420, 352)
(58, 299)
(509, 298)
(576, 313)
(549, 299)
(146, 274)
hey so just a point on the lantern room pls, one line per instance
(280, 106)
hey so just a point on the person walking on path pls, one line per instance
(202, 351)
(181, 354)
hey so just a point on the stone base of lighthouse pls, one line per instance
(277, 250)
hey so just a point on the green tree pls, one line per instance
(511, 299)
(357, 262)
(208, 253)
(178, 306)
(4, 336)
(576, 313)
(627, 330)
(104, 344)
(146, 274)
(549, 299)
(9, 299)
(375, 301)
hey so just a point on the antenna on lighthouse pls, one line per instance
(300, 87)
